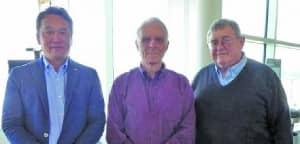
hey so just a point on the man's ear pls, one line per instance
(38, 38)
(167, 46)
(242, 41)
(136, 44)
(71, 41)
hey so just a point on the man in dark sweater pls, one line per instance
(238, 100)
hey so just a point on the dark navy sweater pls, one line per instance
(252, 109)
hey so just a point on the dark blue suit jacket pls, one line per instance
(25, 118)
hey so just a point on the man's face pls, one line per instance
(225, 47)
(152, 44)
(54, 37)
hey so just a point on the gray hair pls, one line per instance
(221, 23)
(150, 21)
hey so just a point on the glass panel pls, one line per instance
(250, 14)
(288, 21)
(290, 73)
(254, 50)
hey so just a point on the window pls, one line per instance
(254, 50)
(288, 48)
(290, 68)
(288, 21)
(250, 14)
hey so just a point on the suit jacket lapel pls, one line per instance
(38, 76)
(72, 83)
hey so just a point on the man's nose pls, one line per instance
(152, 43)
(56, 36)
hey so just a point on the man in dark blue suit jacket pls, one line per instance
(30, 92)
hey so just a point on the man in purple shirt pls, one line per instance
(151, 104)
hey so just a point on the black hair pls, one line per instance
(54, 11)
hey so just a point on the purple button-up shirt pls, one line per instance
(143, 110)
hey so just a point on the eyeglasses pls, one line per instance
(225, 41)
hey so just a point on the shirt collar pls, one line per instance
(157, 75)
(235, 69)
(48, 66)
